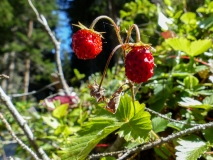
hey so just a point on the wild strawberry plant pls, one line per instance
(185, 85)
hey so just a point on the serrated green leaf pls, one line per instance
(194, 48)
(125, 109)
(81, 145)
(190, 148)
(187, 17)
(137, 128)
(199, 46)
(60, 111)
(205, 92)
(179, 44)
(159, 124)
(189, 102)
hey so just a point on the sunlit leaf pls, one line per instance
(179, 44)
(194, 48)
(138, 127)
(52, 122)
(78, 147)
(191, 103)
(190, 148)
(125, 109)
(60, 111)
(187, 17)
(208, 100)
(199, 46)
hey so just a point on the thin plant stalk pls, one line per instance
(138, 38)
(107, 64)
(117, 30)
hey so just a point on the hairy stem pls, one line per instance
(117, 30)
(138, 38)
(107, 64)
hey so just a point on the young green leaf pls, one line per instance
(190, 82)
(60, 111)
(192, 49)
(187, 17)
(190, 148)
(199, 46)
(179, 44)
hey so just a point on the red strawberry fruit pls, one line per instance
(86, 43)
(139, 64)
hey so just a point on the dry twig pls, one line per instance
(56, 43)
(17, 139)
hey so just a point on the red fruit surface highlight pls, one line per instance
(139, 64)
(86, 44)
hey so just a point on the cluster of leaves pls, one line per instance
(181, 88)
(181, 85)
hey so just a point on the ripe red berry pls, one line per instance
(86, 44)
(139, 64)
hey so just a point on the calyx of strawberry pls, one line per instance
(81, 26)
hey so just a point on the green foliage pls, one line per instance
(182, 82)
(190, 148)
(192, 49)
(160, 124)
(133, 123)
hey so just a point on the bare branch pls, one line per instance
(150, 145)
(166, 139)
(169, 119)
(17, 139)
(22, 123)
(56, 43)
(34, 92)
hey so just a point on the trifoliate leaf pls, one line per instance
(192, 49)
(190, 148)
